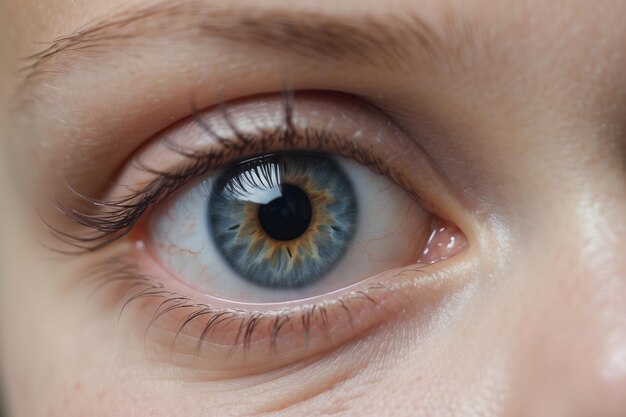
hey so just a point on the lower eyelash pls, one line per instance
(131, 286)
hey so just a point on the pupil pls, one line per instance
(288, 216)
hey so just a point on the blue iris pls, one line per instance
(282, 221)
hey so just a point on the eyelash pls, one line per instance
(128, 275)
(109, 221)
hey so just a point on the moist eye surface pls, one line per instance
(282, 221)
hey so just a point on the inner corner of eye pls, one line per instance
(294, 225)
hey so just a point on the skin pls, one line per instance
(530, 130)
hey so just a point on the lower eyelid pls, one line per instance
(256, 342)
(222, 341)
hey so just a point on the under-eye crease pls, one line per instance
(207, 145)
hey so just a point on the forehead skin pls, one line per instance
(537, 133)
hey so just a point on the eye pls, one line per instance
(288, 226)
(270, 230)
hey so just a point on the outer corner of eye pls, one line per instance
(284, 255)
(445, 241)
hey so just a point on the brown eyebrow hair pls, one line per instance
(362, 39)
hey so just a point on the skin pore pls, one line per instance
(511, 129)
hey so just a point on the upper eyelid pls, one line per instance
(101, 92)
(111, 218)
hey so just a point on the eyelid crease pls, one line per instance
(106, 221)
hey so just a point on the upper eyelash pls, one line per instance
(108, 221)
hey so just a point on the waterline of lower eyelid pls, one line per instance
(145, 261)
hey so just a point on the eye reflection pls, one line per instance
(282, 221)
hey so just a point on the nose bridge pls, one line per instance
(573, 348)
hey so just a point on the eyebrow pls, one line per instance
(377, 40)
